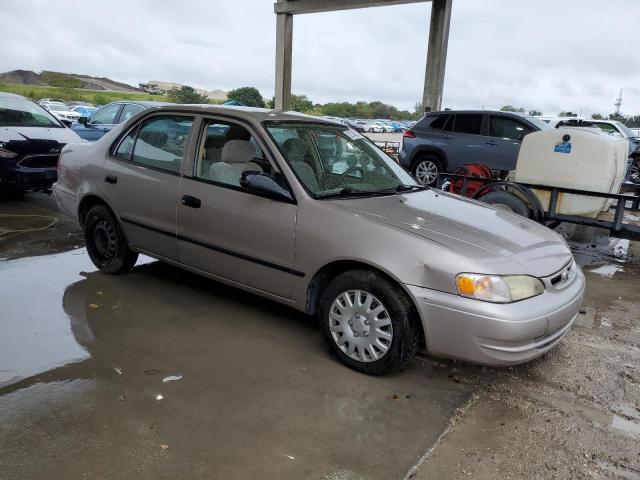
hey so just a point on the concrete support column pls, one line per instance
(436, 55)
(284, 46)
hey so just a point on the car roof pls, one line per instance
(493, 112)
(248, 113)
(11, 95)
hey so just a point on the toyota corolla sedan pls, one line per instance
(249, 198)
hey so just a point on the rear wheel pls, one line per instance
(105, 242)
(507, 201)
(426, 169)
(368, 323)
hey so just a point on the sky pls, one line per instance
(548, 55)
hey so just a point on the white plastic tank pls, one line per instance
(573, 158)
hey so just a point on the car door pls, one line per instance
(503, 142)
(141, 179)
(100, 122)
(227, 231)
(463, 138)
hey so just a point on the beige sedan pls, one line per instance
(312, 214)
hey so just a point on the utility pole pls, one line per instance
(618, 103)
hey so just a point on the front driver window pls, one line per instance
(501, 127)
(226, 151)
(106, 116)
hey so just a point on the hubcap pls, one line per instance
(426, 172)
(360, 325)
(105, 239)
(634, 172)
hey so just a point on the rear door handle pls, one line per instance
(189, 201)
(111, 179)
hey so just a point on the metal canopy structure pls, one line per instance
(436, 49)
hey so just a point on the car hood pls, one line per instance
(26, 139)
(505, 242)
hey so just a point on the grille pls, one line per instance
(39, 161)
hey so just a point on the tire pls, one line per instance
(371, 130)
(634, 171)
(106, 244)
(350, 339)
(426, 169)
(507, 201)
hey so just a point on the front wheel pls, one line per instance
(368, 323)
(106, 244)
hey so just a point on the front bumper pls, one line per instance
(499, 334)
(23, 178)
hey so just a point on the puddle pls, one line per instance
(607, 271)
(627, 410)
(36, 333)
(619, 471)
(614, 422)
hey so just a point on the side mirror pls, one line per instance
(83, 120)
(264, 184)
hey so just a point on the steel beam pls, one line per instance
(436, 55)
(284, 47)
(299, 7)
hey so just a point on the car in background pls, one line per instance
(84, 110)
(369, 127)
(60, 110)
(95, 126)
(445, 140)
(31, 139)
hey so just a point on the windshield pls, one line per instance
(337, 161)
(626, 130)
(541, 124)
(18, 112)
(58, 107)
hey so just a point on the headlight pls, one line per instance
(4, 153)
(498, 288)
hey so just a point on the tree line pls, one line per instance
(251, 97)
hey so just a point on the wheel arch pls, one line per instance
(424, 150)
(328, 272)
(89, 201)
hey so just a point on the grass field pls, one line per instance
(97, 97)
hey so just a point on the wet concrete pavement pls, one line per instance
(83, 357)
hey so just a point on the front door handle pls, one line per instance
(111, 179)
(189, 201)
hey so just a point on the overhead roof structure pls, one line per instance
(436, 49)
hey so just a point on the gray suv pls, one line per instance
(443, 141)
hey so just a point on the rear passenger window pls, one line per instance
(161, 142)
(506, 128)
(468, 123)
(439, 122)
(125, 149)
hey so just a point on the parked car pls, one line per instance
(248, 198)
(84, 110)
(100, 122)
(30, 143)
(443, 141)
(60, 110)
(369, 126)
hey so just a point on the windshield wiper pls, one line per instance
(350, 191)
(406, 188)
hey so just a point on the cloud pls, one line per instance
(549, 55)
